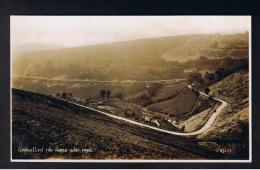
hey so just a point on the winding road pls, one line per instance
(206, 126)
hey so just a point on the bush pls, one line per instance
(64, 95)
(197, 94)
(207, 90)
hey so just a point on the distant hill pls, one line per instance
(22, 48)
(135, 59)
(212, 46)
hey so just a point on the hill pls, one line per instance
(230, 131)
(145, 59)
(43, 121)
(212, 46)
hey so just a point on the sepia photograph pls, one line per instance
(130, 88)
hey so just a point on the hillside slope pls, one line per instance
(42, 121)
(235, 90)
(230, 130)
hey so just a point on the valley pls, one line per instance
(181, 97)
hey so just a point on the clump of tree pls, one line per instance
(221, 73)
(217, 75)
(221, 68)
(63, 94)
(209, 77)
(207, 90)
(195, 77)
(197, 94)
(104, 94)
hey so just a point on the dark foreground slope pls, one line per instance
(43, 121)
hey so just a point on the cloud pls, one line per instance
(84, 30)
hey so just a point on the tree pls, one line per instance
(209, 77)
(207, 90)
(197, 94)
(183, 128)
(64, 95)
(195, 77)
(220, 73)
(57, 94)
(108, 94)
(102, 93)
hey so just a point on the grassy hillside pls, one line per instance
(230, 131)
(42, 121)
(234, 88)
(212, 46)
(175, 100)
(144, 59)
(90, 60)
(233, 123)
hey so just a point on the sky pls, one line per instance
(69, 31)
